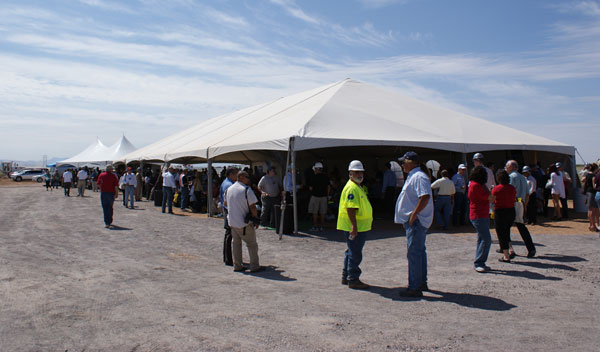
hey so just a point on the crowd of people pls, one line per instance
(247, 199)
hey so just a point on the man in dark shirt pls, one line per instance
(319, 190)
(109, 191)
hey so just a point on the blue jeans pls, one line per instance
(598, 198)
(167, 198)
(129, 195)
(484, 240)
(107, 199)
(353, 256)
(416, 254)
(185, 196)
(443, 207)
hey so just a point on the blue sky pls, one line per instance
(74, 70)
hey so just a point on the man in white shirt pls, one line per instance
(169, 188)
(82, 176)
(240, 201)
(130, 182)
(67, 179)
(444, 200)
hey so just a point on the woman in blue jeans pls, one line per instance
(479, 214)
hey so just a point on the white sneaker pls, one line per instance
(480, 269)
(314, 229)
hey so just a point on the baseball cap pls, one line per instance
(477, 156)
(526, 169)
(318, 165)
(356, 165)
(412, 156)
(558, 164)
(462, 166)
(128, 168)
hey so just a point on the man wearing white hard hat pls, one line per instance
(319, 190)
(355, 217)
(414, 210)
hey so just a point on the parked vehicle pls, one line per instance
(33, 175)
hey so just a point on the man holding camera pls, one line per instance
(241, 201)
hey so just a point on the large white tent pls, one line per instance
(99, 154)
(346, 113)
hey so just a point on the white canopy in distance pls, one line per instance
(99, 154)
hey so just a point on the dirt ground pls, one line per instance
(157, 283)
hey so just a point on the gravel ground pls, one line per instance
(157, 283)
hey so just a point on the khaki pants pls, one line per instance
(248, 236)
(81, 184)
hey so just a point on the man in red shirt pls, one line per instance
(109, 191)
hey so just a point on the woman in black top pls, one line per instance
(590, 193)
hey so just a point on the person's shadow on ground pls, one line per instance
(524, 274)
(119, 228)
(271, 272)
(463, 299)
(547, 266)
(562, 258)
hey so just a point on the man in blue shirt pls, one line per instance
(388, 189)
(459, 212)
(230, 178)
(520, 183)
(414, 210)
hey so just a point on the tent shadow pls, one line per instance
(462, 299)
(271, 272)
(338, 236)
(524, 274)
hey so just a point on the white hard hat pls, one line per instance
(318, 165)
(356, 165)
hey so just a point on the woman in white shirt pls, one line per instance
(557, 189)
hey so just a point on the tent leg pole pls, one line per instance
(210, 187)
(284, 198)
(294, 188)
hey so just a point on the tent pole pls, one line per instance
(292, 147)
(284, 197)
(210, 184)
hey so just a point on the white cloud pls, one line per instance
(107, 5)
(381, 3)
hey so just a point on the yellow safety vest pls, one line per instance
(353, 196)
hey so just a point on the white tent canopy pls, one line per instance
(346, 113)
(98, 153)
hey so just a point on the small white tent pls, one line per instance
(118, 150)
(89, 154)
(99, 154)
